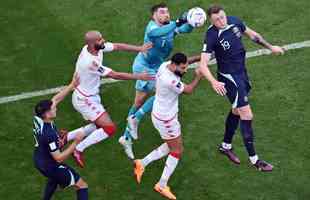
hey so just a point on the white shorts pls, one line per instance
(168, 130)
(90, 107)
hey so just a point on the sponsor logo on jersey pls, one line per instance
(178, 85)
(101, 70)
(236, 31)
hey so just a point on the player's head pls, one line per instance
(94, 40)
(160, 13)
(45, 110)
(179, 64)
(217, 16)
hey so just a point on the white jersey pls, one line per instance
(90, 70)
(168, 89)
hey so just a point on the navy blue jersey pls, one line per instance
(46, 138)
(227, 46)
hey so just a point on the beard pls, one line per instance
(99, 46)
(178, 73)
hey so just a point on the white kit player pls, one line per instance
(86, 98)
(165, 119)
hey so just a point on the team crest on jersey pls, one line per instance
(246, 99)
(236, 31)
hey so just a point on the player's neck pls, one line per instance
(171, 67)
(92, 51)
(157, 22)
(47, 120)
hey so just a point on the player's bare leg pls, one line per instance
(105, 129)
(246, 117)
(81, 189)
(126, 139)
(231, 124)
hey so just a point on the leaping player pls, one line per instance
(161, 31)
(86, 99)
(165, 119)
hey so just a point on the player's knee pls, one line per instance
(81, 184)
(235, 111)
(138, 103)
(177, 153)
(245, 114)
(110, 129)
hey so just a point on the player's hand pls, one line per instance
(79, 137)
(198, 73)
(145, 47)
(182, 19)
(219, 87)
(145, 76)
(277, 50)
(62, 140)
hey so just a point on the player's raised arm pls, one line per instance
(162, 30)
(189, 88)
(193, 59)
(259, 39)
(128, 76)
(129, 47)
(64, 92)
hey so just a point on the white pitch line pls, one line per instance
(28, 95)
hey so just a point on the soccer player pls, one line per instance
(48, 158)
(165, 119)
(86, 99)
(224, 38)
(161, 31)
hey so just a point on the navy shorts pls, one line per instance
(63, 175)
(238, 88)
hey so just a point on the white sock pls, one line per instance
(171, 164)
(88, 129)
(97, 136)
(253, 159)
(226, 145)
(156, 154)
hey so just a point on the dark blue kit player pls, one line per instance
(48, 157)
(224, 39)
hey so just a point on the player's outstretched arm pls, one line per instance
(258, 39)
(218, 87)
(193, 59)
(189, 88)
(163, 30)
(62, 156)
(185, 28)
(64, 92)
(129, 47)
(129, 76)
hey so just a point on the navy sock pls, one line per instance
(231, 125)
(49, 189)
(82, 194)
(248, 137)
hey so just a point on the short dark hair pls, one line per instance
(214, 9)
(179, 58)
(42, 107)
(157, 6)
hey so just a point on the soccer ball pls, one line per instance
(196, 17)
